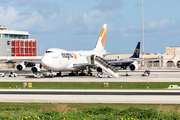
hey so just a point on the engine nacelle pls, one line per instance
(36, 69)
(133, 66)
(21, 66)
(99, 69)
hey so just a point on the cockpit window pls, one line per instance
(49, 51)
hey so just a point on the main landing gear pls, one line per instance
(82, 74)
(72, 74)
(58, 74)
(87, 73)
(51, 74)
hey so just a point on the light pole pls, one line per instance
(142, 36)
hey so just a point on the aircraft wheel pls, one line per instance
(82, 74)
(51, 76)
(70, 74)
(58, 74)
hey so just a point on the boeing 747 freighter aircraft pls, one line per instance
(58, 60)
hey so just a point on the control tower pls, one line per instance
(16, 43)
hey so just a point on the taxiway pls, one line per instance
(92, 96)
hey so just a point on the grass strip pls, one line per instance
(81, 106)
(89, 85)
(64, 112)
(90, 111)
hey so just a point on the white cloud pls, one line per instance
(72, 18)
(88, 18)
(34, 21)
(43, 7)
(163, 27)
(96, 17)
(106, 5)
(1, 9)
(132, 27)
(13, 19)
(53, 16)
(161, 23)
(9, 16)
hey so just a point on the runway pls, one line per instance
(91, 92)
(92, 96)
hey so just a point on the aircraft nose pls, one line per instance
(44, 62)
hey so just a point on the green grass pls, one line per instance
(90, 111)
(81, 106)
(89, 85)
(63, 112)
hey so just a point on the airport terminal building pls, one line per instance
(16, 43)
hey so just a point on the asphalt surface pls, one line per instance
(94, 96)
(73, 92)
(91, 96)
(156, 75)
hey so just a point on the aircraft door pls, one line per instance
(92, 59)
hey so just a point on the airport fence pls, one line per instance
(157, 65)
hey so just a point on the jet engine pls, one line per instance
(133, 66)
(36, 68)
(21, 66)
(99, 69)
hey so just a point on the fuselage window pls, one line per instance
(49, 51)
(67, 55)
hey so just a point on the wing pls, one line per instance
(24, 64)
(116, 53)
(23, 61)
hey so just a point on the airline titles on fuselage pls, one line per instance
(67, 55)
(113, 60)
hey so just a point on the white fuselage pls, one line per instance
(120, 60)
(60, 60)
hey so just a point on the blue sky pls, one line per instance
(76, 24)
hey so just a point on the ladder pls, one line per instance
(100, 62)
